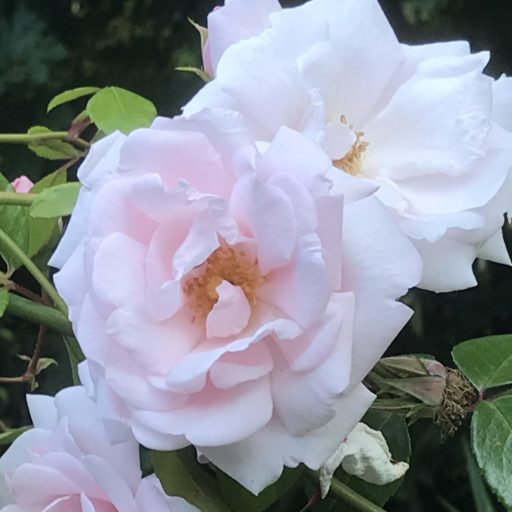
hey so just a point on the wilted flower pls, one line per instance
(72, 461)
(231, 296)
(421, 122)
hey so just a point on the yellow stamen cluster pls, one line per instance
(227, 263)
(352, 162)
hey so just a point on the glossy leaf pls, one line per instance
(70, 95)
(52, 149)
(114, 108)
(4, 301)
(486, 362)
(57, 201)
(182, 476)
(491, 439)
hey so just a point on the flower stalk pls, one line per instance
(10, 245)
(347, 495)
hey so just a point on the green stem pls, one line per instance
(39, 314)
(39, 138)
(30, 138)
(348, 495)
(16, 199)
(8, 243)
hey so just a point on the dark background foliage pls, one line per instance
(50, 46)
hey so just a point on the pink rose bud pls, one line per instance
(22, 185)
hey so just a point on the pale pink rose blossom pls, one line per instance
(421, 122)
(73, 461)
(226, 296)
(233, 22)
(22, 185)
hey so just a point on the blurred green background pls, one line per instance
(49, 46)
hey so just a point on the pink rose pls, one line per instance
(72, 461)
(231, 296)
(233, 22)
(423, 123)
(22, 185)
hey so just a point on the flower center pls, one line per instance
(227, 263)
(352, 162)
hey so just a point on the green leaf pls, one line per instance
(11, 435)
(395, 431)
(114, 108)
(491, 440)
(70, 95)
(57, 201)
(239, 498)
(52, 149)
(14, 220)
(181, 475)
(42, 231)
(4, 301)
(483, 502)
(486, 362)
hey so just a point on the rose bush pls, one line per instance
(423, 123)
(228, 295)
(72, 461)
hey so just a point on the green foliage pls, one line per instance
(9, 436)
(483, 502)
(491, 439)
(395, 431)
(4, 301)
(114, 108)
(57, 201)
(486, 362)
(15, 223)
(239, 498)
(70, 95)
(181, 475)
(51, 149)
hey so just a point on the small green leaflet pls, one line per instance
(52, 149)
(57, 201)
(4, 301)
(491, 440)
(41, 231)
(486, 362)
(70, 95)
(113, 109)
